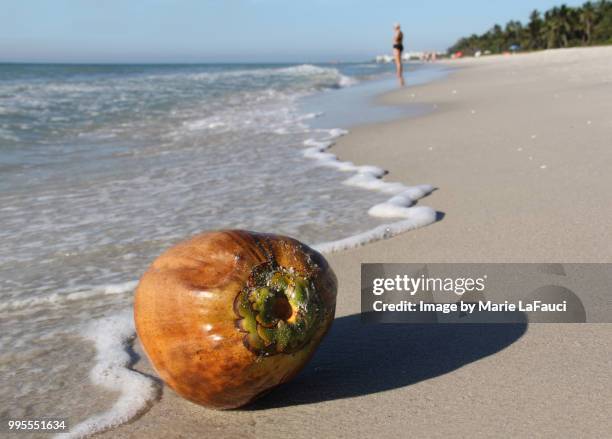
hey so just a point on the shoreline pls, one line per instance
(401, 208)
(499, 206)
(427, 153)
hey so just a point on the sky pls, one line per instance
(240, 30)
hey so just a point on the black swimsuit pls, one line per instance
(399, 45)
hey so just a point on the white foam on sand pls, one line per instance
(112, 337)
(400, 205)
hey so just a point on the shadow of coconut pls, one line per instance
(357, 359)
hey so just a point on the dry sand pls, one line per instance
(520, 148)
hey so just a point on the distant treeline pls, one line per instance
(561, 26)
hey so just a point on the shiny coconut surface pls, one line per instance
(226, 316)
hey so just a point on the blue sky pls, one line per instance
(239, 30)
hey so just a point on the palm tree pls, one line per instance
(513, 32)
(565, 24)
(550, 29)
(534, 29)
(561, 26)
(497, 38)
(587, 17)
(602, 26)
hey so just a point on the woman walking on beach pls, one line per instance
(398, 48)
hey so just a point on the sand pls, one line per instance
(520, 148)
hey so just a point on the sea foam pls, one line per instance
(112, 337)
(400, 205)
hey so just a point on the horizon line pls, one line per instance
(136, 63)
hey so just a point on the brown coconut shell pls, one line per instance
(187, 321)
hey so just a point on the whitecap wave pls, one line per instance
(338, 79)
(320, 76)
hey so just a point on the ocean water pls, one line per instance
(102, 167)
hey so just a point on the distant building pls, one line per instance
(383, 59)
(407, 56)
(411, 56)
